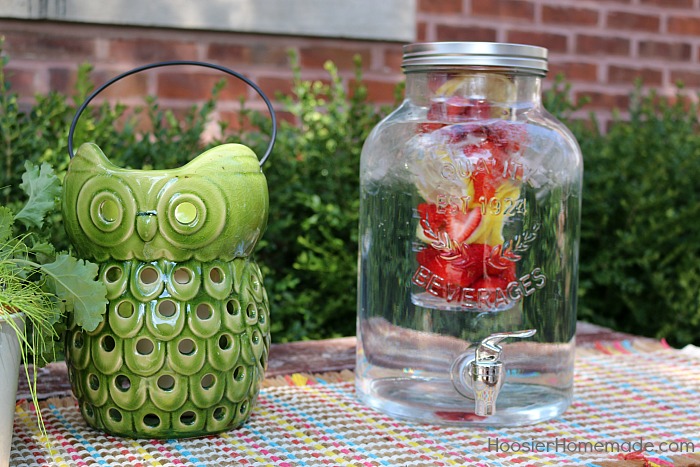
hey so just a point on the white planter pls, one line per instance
(9, 376)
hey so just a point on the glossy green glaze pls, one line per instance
(214, 207)
(183, 347)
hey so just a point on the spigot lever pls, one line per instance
(484, 374)
(489, 350)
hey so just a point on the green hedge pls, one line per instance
(640, 236)
(640, 264)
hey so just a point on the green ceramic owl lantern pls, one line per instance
(183, 347)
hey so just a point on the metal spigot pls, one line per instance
(484, 374)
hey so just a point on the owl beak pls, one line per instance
(146, 225)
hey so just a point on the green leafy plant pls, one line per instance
(640, 265)
(639, 255)
(309, 251)
(39, 282)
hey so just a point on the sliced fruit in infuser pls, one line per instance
(468, 267)
(460, 97)
(479, 85)
(434, 115)
(491, 283)
(453, 272)
(458, 225)
(495, 210)
(468, 173)
(457, 109)
(507, 135)
(477, 257)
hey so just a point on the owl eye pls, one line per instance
(193, 213)
(187, 213)
(105, 210)
(109, 211)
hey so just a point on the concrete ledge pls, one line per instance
(387, 20)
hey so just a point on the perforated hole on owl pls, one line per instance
(115, 415)
(144, 346)
(208, 381)
(122, 382)
(151, 420)
(108, 343)
(233, 307)
(251, 311)
(219, 413)
(216, 275)
(186, 347)
(167, 308)
(78, 340)
(94, 382)
(149, 276)
(225, 342)
(182, 276)
(204, 311)
(125, 309)
(188, 418)
(113, 274)
(166, 383)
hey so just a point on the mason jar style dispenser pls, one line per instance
(468, 243)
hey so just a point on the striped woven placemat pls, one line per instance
(625, 392)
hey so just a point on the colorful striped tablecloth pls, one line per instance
(625, 392)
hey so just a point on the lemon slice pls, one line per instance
(490, 230)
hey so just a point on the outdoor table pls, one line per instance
(630, 393)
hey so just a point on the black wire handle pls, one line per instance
(255, 87)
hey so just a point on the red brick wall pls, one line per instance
(45, 56)
(601, 46)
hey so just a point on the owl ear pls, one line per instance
(90, 155)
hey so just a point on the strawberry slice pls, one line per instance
(460, 225)
(488, 159)
(478, 258)
(484, 186)
(497, 265)
(459, 108)
(434, 117)
(472, 259)
(470, 268)
(431, 217)
(452, 271)
(491, 283)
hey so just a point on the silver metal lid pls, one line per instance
(487, 54)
